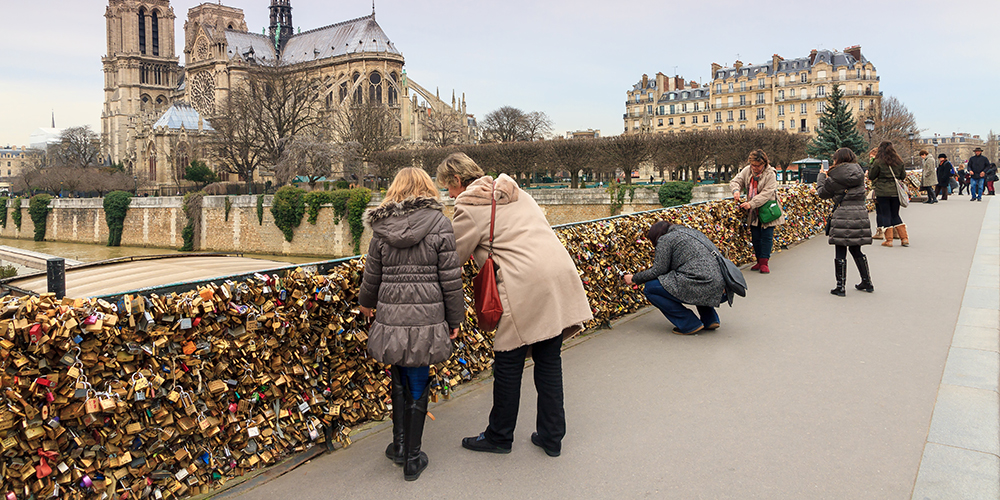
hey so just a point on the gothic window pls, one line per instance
(183, 160)
(203, 92)
(152, 164)
(155, 32)
(375, 88)
(329, 100)
(160, 101)
(343, 92)
(202, 49)
(142, 31)
(358, 92)
(391, 89)
(145, 102)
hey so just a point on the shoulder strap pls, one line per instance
(493, 213)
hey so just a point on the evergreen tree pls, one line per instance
(837, 129)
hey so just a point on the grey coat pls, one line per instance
(414, 278)
(849, 223)
(686, 268)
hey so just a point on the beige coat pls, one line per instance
(540, 289)
(929, 178)
(767, 189)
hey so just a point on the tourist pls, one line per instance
(760, 181)
(684, 271)
(879, 230)
(414, 277)
(543, 298)
(885, 169)
(991, 177)
(929, 179)
(849, 226)
(944, 174)
(961, 180)
(978, 165)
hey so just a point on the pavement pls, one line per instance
(799, 395)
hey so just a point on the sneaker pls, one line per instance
(537, 441)
(692, 332)
(712, 326)
(480, 443)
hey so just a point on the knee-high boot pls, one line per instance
(888, 237)
(394, 451)
(840, 269)
(904, 238)
(416, 412)
(866, 278)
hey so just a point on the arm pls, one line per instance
(736, 185)
(661, 263)
(873, 171)
(824, 186)
(467, 234)
(450, 277)
(768, 186)
(372, 281)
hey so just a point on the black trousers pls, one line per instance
(507, 370)
(930, 194)
(841, 251)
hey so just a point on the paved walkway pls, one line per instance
(799, 395)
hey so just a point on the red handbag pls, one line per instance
(485, 292)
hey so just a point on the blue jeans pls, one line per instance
(416, 379)
(976, 187)
(762, 240)
(674, 309)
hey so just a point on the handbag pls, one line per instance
(901, 191)
(769, 212)
(732, 277)
(486, 295)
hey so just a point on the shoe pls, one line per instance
(840, 271)
(756, 267)
(878, 234)
(888, 237)
(866, 278)
(763, 266)
(712, 326)
(904, 238)
(479, 443)
(678, 332)
(416, 414)
(537, 441)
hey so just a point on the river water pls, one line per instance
(92, 253)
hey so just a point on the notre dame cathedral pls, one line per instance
(156, 111)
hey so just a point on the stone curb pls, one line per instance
(961, 457)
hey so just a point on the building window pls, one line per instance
(760, 113)
(791, 124)
(760, 83)
(659, 123)
(155, 32)
(696, 107)
(375, 88)
(781, 94)
(743, 86)
(718, 117)
(821, 91)
(650, 98)
(694, 119)
(781, 110)
(670, 121)
(343, 92)
(649, 109)
(760, 126)
(704, 118)
(661, 110)
(743, 126)
(743, 100)
(672, 109)
(781, 126)
(730, 127)
(358, 94)
(142, 31)
(718, 88)
(392, 93)
(730, 86)
(684, 108)
(803, 78)
(791, 92)
(820, 106)
(781, 80)
(760, 98)
(729, 116)
(802, 109)
(682, 120)
(743, 115)
(637, 99)
(803, 126)
(842, 74)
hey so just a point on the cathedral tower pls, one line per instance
(281, 22)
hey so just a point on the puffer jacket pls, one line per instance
(413, 278)
(849, 223)
(884, 178)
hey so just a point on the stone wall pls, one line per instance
(158, 222)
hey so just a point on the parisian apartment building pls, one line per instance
(781, 94)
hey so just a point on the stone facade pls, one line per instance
(14, 160)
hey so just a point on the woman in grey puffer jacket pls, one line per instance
(849, 224)
(414, 276)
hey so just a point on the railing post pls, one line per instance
(56, 276)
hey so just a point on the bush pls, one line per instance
(15, 212)
(192, 210)
(38, 208)
(675, 193)
(260, 209)
(3, 212)
(288, 207)
(188, 234)
(115, 207)
(350, 203)
(342, 185)
(229, 206)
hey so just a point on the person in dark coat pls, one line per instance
(978, 165)
(414, 276)
(963, 179)
(885, 170)
(684, 271)
(991, 177)
(944, 173)
(850, 228)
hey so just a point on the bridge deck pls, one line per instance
(28, 258)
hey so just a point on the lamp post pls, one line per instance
(869, 126)
(910, 135)
(135, 180)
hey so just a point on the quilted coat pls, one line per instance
(413, 279)
(686, 267)
(849, 223)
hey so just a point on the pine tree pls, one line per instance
(837, 129)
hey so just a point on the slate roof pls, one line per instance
(697, 94)
(244, 45)
(836, 59)
(356, 35)
(180, 115)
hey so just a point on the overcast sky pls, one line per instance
(573, 60)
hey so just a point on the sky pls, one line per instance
(573, 60)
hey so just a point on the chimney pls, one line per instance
(812, 56)
(775, 60)
(678, 83)
(854, 51)
(661, 82)
(715, 69)
(693, 84)
(739, 64)
(645, 80)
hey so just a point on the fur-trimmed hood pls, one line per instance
(478, 193)
(404, 224)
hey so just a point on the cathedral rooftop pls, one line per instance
(353, 36)
(182, 115)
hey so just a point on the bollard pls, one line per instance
(56, 276)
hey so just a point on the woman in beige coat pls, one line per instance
(542, 296)
(760, 181)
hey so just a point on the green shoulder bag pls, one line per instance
(769, 212)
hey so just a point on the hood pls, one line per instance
(405, 223)
(847, 177)
(478, 193)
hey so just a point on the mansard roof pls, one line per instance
(181, 115)
(356, 35)
(831, 57)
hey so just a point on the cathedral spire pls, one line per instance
(281, 22)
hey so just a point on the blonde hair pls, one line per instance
(411, 182)
(461, 165)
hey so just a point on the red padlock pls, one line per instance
(43, 382)
(35, 334)
(233, 407)
(50, 397)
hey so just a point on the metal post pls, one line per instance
(56, 276)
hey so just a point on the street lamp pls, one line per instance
(135, 179)
(869, 126)
(911, 136)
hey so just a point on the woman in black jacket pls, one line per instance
(849, 224)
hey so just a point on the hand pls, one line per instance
(367, 311)
(745, 205)
(982, 174)
(454, 334)
(736, 197)
(628, 279)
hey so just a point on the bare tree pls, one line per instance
(287, 103)
(365, 130)
(575, 155)
(443, 129)
(310, 155)
(505, 124)
(893, 122)
(537, 126)
(236, 143)
(78, 147)
(626, 152)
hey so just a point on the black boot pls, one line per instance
(394, 451)
(866, 278)
(416, 412)
(840, 269)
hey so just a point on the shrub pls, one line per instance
(229, 206)
(16, 213)
(192, 210)
(3, 212)
(116, 205)
(288, 207)
(675, 193)
(260, 209)
(342, 185)
(315, 200)
(349, 203)
(38, 208)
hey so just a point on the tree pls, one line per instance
(537, 126)
(505, 124)
(442, 129)
(200, 173)
(574, 155)
(236, 141)
(893, 122)
(626, 152)
(364, 130)
(78, 147)
(310, 155)
(837, 129)
(285, 104)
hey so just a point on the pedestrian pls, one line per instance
(962, 179)
(944, 170)
(849, 227)
(879, 230)
(684, 271)
(978, 165)
(543, 299)
(760, 181)
(413, 281)
(929, 179)
(991, 177)
(885, 169)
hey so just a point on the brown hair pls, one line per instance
(924, 152)
(461, 165)
(887, 155)
(658, 229)
(758, 155)
(844, 155)
(411, 182)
